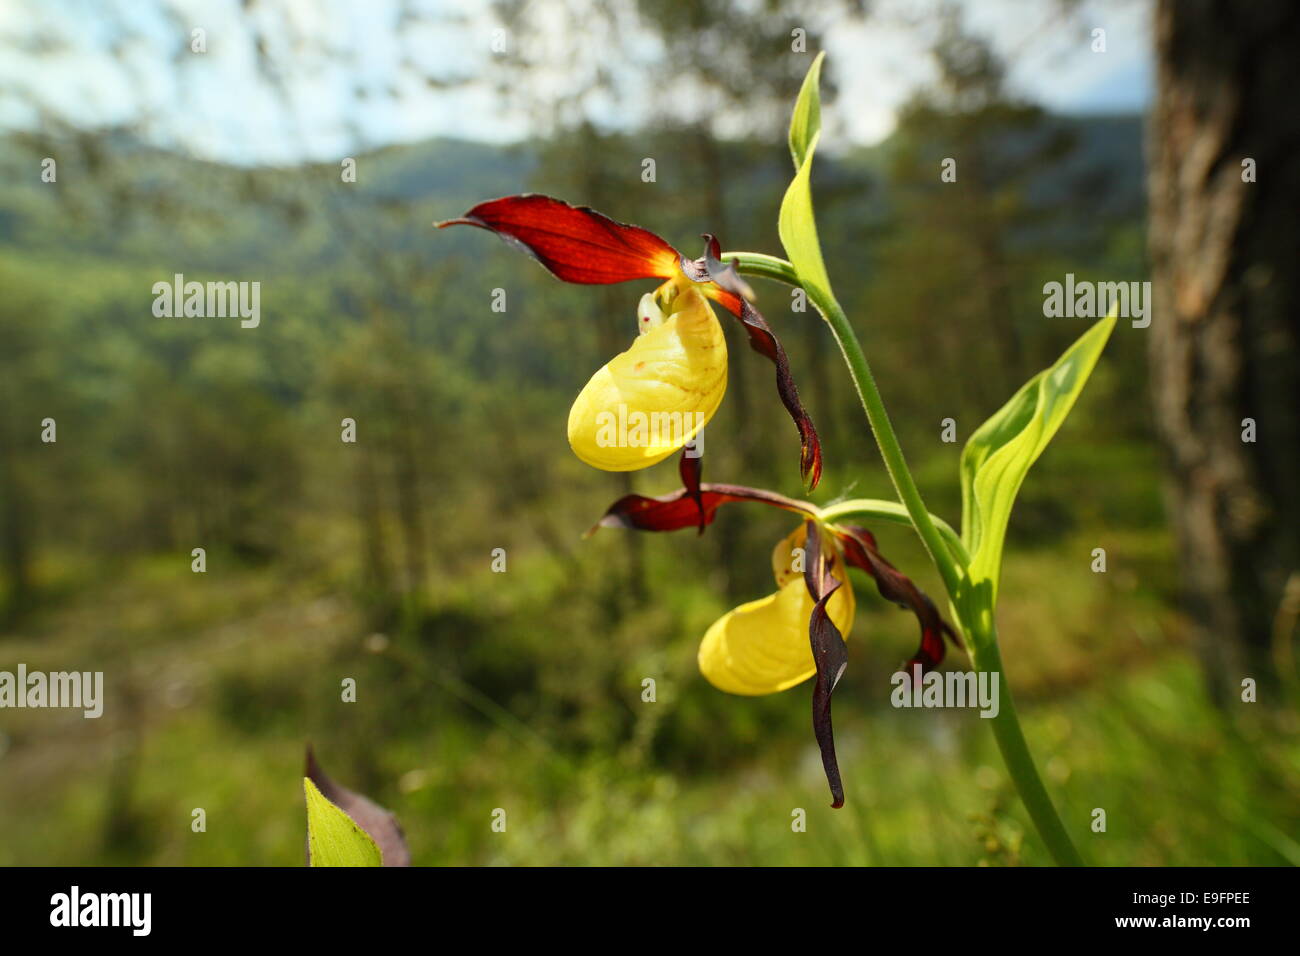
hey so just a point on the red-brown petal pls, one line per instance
(576, 243)
(691, 468)
(860, 551)
(829, 653)
(727, 288)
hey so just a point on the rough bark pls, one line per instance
(1226, 324)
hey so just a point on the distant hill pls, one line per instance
(167, 207)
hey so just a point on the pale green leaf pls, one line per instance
(796, 225)
(1000, 452)
(333, 838)
(806, 121)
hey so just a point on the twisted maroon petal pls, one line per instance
(691, 468)
(829, 653)
(860, 551)
(734, 295)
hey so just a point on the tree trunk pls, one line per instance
(1226, 320)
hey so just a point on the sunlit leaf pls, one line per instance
(333, 837)
(807, 119)
(999, 453)
(797, 227)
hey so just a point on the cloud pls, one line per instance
(337, 77)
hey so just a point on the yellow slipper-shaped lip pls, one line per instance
(648, 402)
(762, 647)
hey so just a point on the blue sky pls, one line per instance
(353, 77)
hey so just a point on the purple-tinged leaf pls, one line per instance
(380, 824)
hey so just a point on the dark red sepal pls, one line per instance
(687, 509)
(576, 243)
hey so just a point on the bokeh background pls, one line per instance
(522, 690)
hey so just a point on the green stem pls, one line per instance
(981, 632)
(764, 266)
(1019, 761)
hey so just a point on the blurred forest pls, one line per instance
(522, 690)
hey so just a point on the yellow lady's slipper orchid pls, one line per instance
(653, 399)
(800, 631)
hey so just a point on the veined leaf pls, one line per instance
(333, 838)
(797, 227)
(999, 453)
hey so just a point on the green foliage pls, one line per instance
(333, 837)
(522, 689)
(806, 121)
(600, 778)
(1000, 452)
(796, 223)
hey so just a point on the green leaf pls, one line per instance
(797, 227)
(333, 838)
(997, 457)
(807, 119)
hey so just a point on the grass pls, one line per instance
(527, 698)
